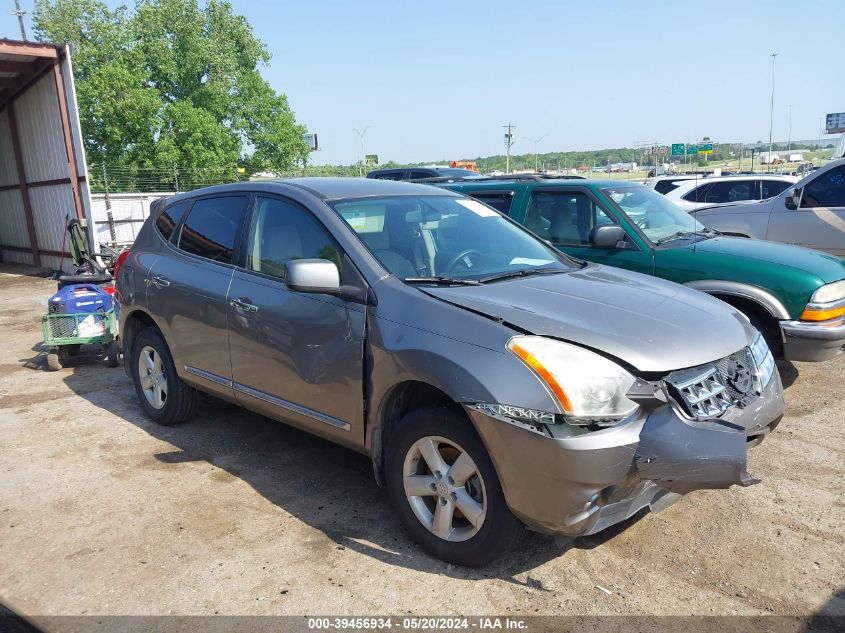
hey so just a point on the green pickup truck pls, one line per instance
(794, 296)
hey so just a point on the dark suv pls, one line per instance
(421, 173)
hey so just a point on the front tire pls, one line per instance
(164, 397)
(445, 489)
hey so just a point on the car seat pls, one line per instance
(379, 244)
(534, 221)
(563, 228)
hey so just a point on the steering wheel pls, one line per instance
(642, 222)
(460, 256)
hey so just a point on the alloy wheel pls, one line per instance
(444, 488)
(153, 378)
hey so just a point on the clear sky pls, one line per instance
(436, 80)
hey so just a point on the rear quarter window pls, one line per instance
(499, 201)
(169, 218)
(665, 186)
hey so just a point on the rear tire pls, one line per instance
(164, 397)
(475, 526)
(53, 363)
(112, 354)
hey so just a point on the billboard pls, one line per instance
(835, 123)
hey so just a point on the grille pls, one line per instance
(709, 390)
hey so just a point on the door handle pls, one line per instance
(243, 305)
(160, 282)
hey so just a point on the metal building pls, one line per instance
(42, 161)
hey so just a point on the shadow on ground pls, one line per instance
(788, 373)
(324, 485)
(831, 617)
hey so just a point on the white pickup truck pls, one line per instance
(811, 214)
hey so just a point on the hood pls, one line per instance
(651, 324)
(826, 267)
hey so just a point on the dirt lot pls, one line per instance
(103, 512)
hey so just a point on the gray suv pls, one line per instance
(493, 380)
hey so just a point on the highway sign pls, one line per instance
(705, 148)
(677, 149)
(371, 159)
(835, 123)
(692, 149)
(311, 139)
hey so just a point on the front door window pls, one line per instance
(564, 218)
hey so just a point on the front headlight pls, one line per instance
(588, 387)
(829, 293)
(827, 302)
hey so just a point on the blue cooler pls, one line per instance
(80, 299)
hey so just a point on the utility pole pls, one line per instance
(535, 141)
(20, 13)
(109, 216)
(508, 144)
(772, 110)
(789, 139)
(361, 137)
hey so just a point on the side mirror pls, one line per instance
(607, 236)
(312, 275)
(793, 198)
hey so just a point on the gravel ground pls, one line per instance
(103, 512)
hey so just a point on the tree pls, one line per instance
(173, 84)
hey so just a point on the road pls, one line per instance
(103, 512)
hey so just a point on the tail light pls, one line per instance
(119, 262)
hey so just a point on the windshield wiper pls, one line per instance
(706, 233)
(443, 281)
(525, 272)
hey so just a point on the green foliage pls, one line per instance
(173, 83)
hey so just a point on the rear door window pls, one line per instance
(212, 228)
(723, 192)
(771, 188)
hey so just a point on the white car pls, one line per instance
(811, 213)
(718, 190)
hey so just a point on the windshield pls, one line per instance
(657, 217)
(418, 237)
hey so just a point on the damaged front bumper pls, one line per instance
(582, 484)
